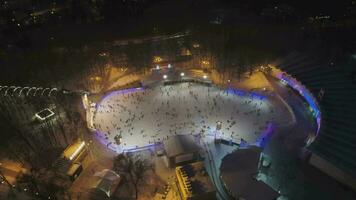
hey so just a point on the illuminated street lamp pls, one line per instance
(182, 74)
(284, 82)
(165, 76)
(95, 78)
(157, 59)
(205, 62)
(218, 125)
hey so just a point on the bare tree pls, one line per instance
(2, 177)
(38, 185)
(132, 167)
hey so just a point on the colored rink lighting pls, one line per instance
(77, 151)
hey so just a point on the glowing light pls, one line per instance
(165, 76)
(157, 59)
(44, 114)
(102, 54)
(157, 67)
(205, 77)
(205, 62)
(182, 74)
(95, 78)
(77, 151)
(284, 82)
(169, 66)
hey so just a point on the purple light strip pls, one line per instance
(265, 136)
(304, 92)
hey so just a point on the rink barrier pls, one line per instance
(234, 91)
(303, 92)
(243, 93)
(191, 80)
(115, 92)
(99, 134)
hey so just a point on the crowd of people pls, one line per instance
(152, 115)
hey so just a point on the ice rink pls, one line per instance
(145, 116)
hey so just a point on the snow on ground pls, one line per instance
(143, 117)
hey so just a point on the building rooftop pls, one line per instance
(238, 171)
(72, 151)
(106, 181)
(193, 180)
(180, 144)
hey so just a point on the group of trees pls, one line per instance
(133, 169)
(41, 185)
(38, 144)
(28, 140)
(105, 9)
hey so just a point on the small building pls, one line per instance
(193, 182)
(181, 149)
(44, 114)
(238, 171)
(105, 181)
(74, 171)
(74, 151)
(69, 163)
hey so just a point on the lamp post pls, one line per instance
(2, 176)
(218, 127)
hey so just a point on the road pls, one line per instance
(213, 155)
(289, 173)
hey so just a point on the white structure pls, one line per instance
(44, 114)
